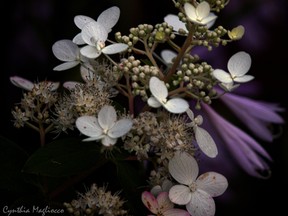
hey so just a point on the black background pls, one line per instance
(31, 27)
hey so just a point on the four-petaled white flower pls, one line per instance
(107, 19)
(95, 34)
(105, 128)
(159, 97)
(195, 193)
(161, 205)
(200, 15)
(67, 51)
(238, 65)
(203, 138)
(179, 27)
(28, 85)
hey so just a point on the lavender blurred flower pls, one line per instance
(256, 115)
(249, 154)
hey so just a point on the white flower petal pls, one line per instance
(107, 117)
(65, 50)
(90, 52)
(93, 32)
(180, 194)
(70, 84)
(109, 17)
(81, 20)
(190, 11)
(78, 39)
(175, 22)
(88, 125)
(178, 212)
(213, 183)
(114, 48)
(203, 10)
(222, 76)
(22, 83)
(176, 105)
(201, 204)
(239, 64)
(205, 142)
(209, 21)
(66, 65)
(243, 79)
(120, 128)
(153, 102)
(108, 141)
(183, 168)
(158, 88)
(168, 56)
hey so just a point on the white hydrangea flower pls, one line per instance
(159, 97)
(236, 33)
(203, 138)
(105, 128)
(107, 19)
(179, 26)
(94, 34)
(238, 65)
(67, 51)
(195, 193)
(28, 85)
(200, 15)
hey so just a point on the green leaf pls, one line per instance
(64, 157)
(12, 159)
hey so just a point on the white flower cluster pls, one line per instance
(162, 120)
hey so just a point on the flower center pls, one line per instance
(193, 187)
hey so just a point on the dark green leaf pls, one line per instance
(12, 159)
(64, 157)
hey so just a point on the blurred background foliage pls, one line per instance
(32, 26)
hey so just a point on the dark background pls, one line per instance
(31, 27)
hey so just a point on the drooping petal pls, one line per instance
(201, 204)
(222, 76)
(153, 102)
(107, 117)
(65, 50)
(150, 202)
(205, 142)
(176, 105)
(180, 194)
(81, 20)
(213, 183)
(66, 65)
(120, 128)
(109, 17)
(108, 141)
(239, 64)
(164, 202)
(158, 88)
(90, 52)
(183, 168)
(114, 48)
(88, 125)
(22, 83)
